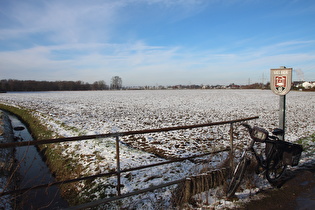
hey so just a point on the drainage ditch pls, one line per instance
(31, 171)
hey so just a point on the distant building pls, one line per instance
(308, 85)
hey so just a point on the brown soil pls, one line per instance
(297, 192)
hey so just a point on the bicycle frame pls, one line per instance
(272, 164)
(267, 139)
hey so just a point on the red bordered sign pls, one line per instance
(280, 80)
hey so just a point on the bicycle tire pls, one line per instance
(237, 176)
(275, 167)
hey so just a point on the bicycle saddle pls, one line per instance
(278, 132)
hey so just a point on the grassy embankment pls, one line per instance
(60, 167)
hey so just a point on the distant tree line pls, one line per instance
(32, 85)
(116, 84)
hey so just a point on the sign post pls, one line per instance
(280, 84)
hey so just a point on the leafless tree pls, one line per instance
(99, 85)
(116, 83)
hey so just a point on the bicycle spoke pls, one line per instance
(275, 168)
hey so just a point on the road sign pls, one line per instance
(280, 80)
(280, 84)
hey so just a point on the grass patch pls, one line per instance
(305, 140)
(37, 129)
(308, 144)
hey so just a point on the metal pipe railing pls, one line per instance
(118, 169)
(126, 133)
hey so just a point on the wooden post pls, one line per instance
(187, 190)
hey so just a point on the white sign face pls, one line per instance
(280, 80)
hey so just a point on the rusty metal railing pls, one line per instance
(118, 170)
(126, 133)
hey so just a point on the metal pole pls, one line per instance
(282, 115)
(118, 166)
(232, 149)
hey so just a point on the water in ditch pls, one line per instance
(32, 170)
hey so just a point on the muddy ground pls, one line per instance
(297, 192)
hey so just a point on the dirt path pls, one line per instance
(297, 192)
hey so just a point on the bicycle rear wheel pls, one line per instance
(237, 176)
(275, 167)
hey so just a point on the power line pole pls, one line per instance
(263, 80)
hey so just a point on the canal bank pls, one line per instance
(30, 170)
(7, 163)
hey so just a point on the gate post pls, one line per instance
(232, 148)
(118, 165)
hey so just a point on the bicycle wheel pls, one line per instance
(275, 167)
(237, 176)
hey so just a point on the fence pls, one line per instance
(118, 171)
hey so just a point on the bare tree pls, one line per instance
(116, 83)
(99, 85)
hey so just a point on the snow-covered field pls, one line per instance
(96, 112)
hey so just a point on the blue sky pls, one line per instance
(156, 42)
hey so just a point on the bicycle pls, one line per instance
(278, 154)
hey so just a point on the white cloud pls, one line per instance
(142, 64)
